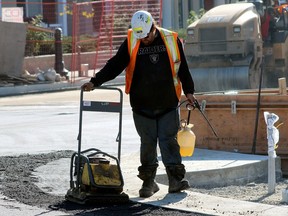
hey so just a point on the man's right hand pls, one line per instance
(87, 86)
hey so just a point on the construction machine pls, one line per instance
(95, 176)
(227, 47)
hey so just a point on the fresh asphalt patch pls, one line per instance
(18, 183)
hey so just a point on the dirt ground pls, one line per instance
(17, 183)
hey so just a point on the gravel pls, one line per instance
(252, 192)
(18, 183)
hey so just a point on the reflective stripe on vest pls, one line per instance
(170, 41)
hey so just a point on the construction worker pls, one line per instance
(156, 71)
(280, 6)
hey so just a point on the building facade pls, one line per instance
(48, 8)
(176, 12)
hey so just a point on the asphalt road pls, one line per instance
(39, 123)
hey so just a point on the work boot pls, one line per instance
(175, 176)
(149, 186)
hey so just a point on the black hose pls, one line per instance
(257, 111)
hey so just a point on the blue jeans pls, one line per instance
(162, 129)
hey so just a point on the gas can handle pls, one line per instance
(183, 123)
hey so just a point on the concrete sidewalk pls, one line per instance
(205, 165)
(212, 167)
(52, 87)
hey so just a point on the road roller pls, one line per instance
(235, 46)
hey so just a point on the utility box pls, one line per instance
(12, 45)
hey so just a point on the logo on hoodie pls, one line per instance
(154, 58)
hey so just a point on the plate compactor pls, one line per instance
(95, 176)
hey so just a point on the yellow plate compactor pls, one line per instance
(95, 176)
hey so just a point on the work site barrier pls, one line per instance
(91, 32)
(100, 27)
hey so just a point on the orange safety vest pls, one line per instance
(170, 41)
(280, 8)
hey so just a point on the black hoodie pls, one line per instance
(152, 86)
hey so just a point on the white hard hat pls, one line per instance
(141, 23)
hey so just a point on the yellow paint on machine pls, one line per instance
(103, 174)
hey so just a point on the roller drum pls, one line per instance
(220, 79)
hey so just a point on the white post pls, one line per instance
(271, 172)
(273, 138)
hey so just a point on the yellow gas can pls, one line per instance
(186, 139)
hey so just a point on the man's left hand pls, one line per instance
(191, 99)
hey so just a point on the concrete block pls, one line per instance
(12, 45)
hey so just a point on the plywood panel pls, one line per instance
(236, 131)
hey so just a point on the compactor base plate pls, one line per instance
(83, 198)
